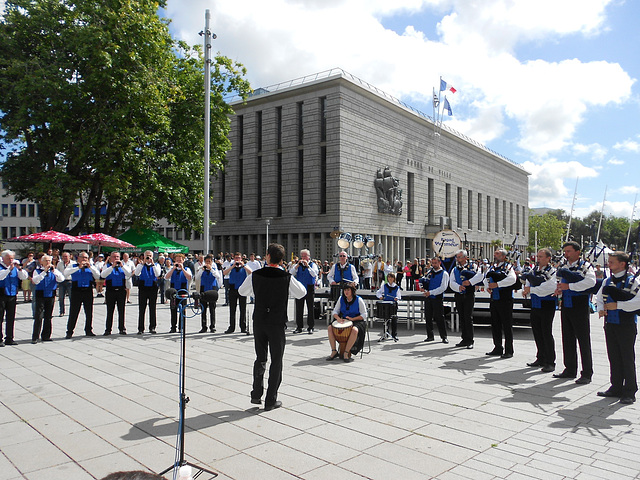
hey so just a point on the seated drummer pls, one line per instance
(390, 292)
(349, 307)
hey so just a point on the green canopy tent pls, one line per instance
(147, 239)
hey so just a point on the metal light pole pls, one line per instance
(208, 36)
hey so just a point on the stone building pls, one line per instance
(303, 163)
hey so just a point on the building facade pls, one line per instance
(303, 163)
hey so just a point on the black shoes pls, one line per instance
(608, 393)
(548, 368)
(123, 332)
(68, 336)
(310, 330)
(273, 406)
(256, 401)
(494, 353)
(106, 333)
(333, 356)
(203, 330)
(429, 339)
(583, 381)
(212, 330)
(445, 340)
(627, 400)
(564, 374)
(89, 334)
(506, 355)
(229, 331)
(173, 330)
(140, 332)
(152, 330)
(297, 330)
(537, 363)
(10, 342)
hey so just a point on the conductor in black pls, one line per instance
(270, 286)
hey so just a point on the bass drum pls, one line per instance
(446, 243)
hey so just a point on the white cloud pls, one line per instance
(597, 151)
(552, 181)
(475, 51)
(629, 189)
(628, 145)
(615, 161)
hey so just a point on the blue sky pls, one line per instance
(550, 84)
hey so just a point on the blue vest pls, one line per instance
(237, 276)
(116, 278)
(340, 274)
(10, 283)
(619, 316)
(501, 292)
(435, 280)
(147, 277)
(208, 281)
(389, 293)
(179, 280)
(304, 276)
(47, 285)
(536, 300)
(349, 310)
(82, 278)
(567, 295)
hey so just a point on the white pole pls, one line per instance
(601, 213)
(573, 203)
(207, 130)
(633, 211)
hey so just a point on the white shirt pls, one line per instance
(61, 267)
(332, 273)
(625, 305)
(586, 283)
(475, 280)
(22, 274)
(380, 292)
(38, 277)
(254, 265)
(296, 289)
(444, 283)
(362, 308)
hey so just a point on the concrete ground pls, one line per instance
(85, 407)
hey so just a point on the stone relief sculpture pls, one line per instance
(388, 192)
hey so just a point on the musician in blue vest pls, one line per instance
(237, 272)
(208, 278)
(618, 303)
(149, 275)
(577, 277)
(390, 292)
(46, 278)
(306, 272)
(349, 307)
(463, 280)
(499, 281)
(115, 275)
(540, 282)
(271, 287)
(343, 271)
(11, 274)
(178, 277)
(83, 278)
(433, 286)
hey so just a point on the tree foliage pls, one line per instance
(550, 231)
(101, 104)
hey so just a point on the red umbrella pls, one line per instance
(49, 237)
(104, 240)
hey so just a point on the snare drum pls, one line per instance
(386, 310)
(342, 332)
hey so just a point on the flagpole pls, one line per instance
(601, 213)
(573, 203)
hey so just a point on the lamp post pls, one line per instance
(268, 222)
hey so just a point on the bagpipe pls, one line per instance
(513, 255)
(496, 275)
(467, 272)
(535, 278)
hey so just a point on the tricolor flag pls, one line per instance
(447, 107)
(446, 86)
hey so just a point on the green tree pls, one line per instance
(550, 231)
(101, 104)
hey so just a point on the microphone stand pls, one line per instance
(182, 296)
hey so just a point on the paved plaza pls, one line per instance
(85, 407)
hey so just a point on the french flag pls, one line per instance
(446, 86)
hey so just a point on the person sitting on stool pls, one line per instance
(390, 292)
(349, 307)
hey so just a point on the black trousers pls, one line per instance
(80, 297)
(502, 322)
(434, 311)
(464, 305)
(621, 339)
(42, 319)
(268, 338)
(147, 296)
(542, 327)
(173, 307)
(236, 299)
(8, 315)
(115, 297)
(211, 306)
(576, 327)
(308, 299)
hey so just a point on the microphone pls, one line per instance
(210, 296)
(171, 293)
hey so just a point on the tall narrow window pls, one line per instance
(479, 211)
(469, 209)
(323, 179)
(300, 182)
(510, 217)
(431, 201)
(259, 130)
(240, 185)
(410, 197)
(300, 124)
(496, 215)
(518, 219)
(504, 216)
(279, 186)
(279, 126)
(488, 213)
(447, 200)
(259, 189)
(223, 194)
(323, 119)
(459, 202)
(240, 134)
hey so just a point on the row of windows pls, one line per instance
(25, 210)
(10, 232)
(178, 234)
